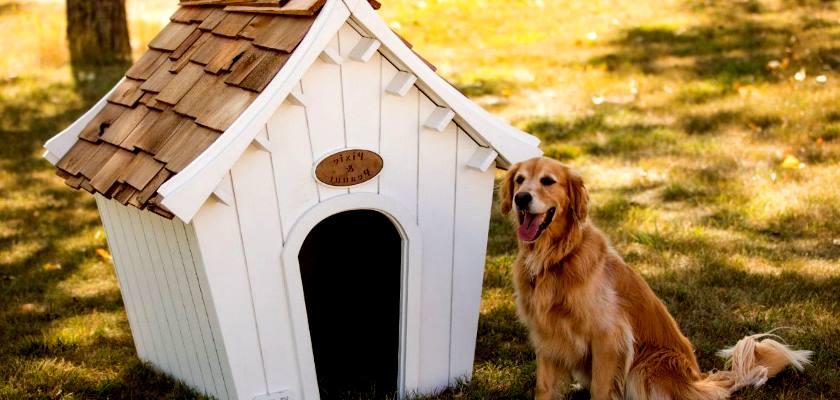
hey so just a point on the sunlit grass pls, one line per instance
(708, 133)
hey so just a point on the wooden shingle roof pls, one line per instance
(198, 75)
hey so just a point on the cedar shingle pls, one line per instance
(153, 185)
(181, 84)
(232, 24)
(256, 25)
(101, 121)
(116, 133)
(283, 33)
(94, 163)
(172, 36)
(153, 131)
(212, 20)
(77, 157)
(211, 48)
(74, 182)
(108, 174)
(293, 7)
(160, 79)
(246, 64)
(227, 56)
(225, 108)
(185, 145)
(147, 64)
(185, 58)
(264, 72)
(140, 171)
(186, 44)
(127, 93)
(193, 102)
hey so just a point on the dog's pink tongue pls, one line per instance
(530, 227)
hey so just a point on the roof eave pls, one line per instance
(512, 144)
(61, 143)
(186, 192)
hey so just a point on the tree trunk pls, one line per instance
(97, 33)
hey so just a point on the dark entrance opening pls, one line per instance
(350, 266)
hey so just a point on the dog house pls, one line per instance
(296, 203)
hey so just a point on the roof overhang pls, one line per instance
(186, 192)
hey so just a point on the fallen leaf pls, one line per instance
(105, 255)
(790, 162)
(51, 267)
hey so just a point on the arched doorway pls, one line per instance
(350, 266)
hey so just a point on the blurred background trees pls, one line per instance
(97, 35)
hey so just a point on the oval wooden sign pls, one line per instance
(349, 167)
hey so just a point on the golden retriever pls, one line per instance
(593, 318)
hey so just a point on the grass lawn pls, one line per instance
(708, 133)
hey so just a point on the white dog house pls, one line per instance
(296, 203)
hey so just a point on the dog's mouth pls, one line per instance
(531, 226)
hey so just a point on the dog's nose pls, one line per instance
(522, 199)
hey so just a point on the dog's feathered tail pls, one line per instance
(751, 362)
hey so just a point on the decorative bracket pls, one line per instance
(331, 56)
(482, 159)
(439, 119)
(364, 50)
(401, 84)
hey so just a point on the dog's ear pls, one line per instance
(506, 191)
(578, 196)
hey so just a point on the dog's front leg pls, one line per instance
(608, 361)
(551, 377)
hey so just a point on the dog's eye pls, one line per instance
(546, 181)
(520, 179)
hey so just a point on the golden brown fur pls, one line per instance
(593, 318)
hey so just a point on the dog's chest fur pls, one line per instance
(563, 312)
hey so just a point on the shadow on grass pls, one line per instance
(46, 241)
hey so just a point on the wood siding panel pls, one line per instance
(473, 202)
(136, 319)
(362, 93)
(168, 284)
(399, 148)
(288, 137)
(325, 113)
(436, 217)
(164, 353)
(217, 233)
(205, 313)
(259, 218)
(155, 286)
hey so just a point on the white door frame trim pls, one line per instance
(411, 275)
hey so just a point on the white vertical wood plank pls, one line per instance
(399, 148)
(362, 91)
(123, 230)
(205, 312)
(169, 243)
(473, 201)
(151, 263)
(202, 365)
(292, 161)
(161, 357)
(325, 113)
(259, 221)
(224, 273)
(436, 216)
(172, 290)
(158, 263)
(125, 280)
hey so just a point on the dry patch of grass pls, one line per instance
(710, 146)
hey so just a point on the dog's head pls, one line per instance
(548, 197)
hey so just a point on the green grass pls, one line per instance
(712, 169)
